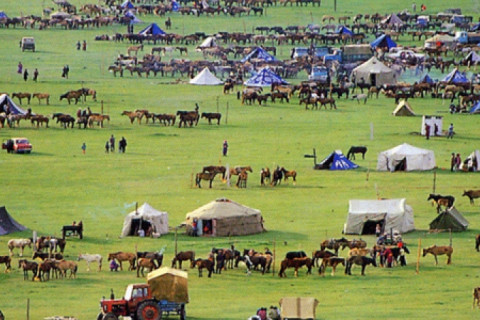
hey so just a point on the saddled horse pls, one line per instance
(355, 243)
(287, 174)
(333, 244)
(18, 243)
(356, 149)
(7, 261)
(321, 254)
(439, 200)
(64, 265)
(438, 251)
(143, 263)
(362, 261)
(123, 256)
(209, 176)
(91, 258)
(212, 116)
(295, 263)
(183, 256)
(215, 169)
(42, 96)
(264, 175)
(28, 266)
(204, 264)
(330, 262)
(88, 92)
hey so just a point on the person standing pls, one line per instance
(25, 75)
(67, 70)
(112, 143)
(107, 147)
(35, 75)
(78, 45)
(450, 131)
(435, 130)
(452, 162)
(84, 45)
(122, 145)
(84, 148)
(427, 131)
(458, 162)
(225, 148)
(20, 68)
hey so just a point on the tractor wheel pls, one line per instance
(149, 310)
(1, 315)
(100, 316)
(110, 316)
(183, 313)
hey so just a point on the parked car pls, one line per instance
(405, 54)
(17, 145)
(27, 43)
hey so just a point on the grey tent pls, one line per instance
(449, 219)
(8, 224)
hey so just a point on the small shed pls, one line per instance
(298, 307)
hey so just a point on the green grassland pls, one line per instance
(56, 184)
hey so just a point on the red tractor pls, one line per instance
(150, 301)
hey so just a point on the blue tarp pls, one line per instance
(127, 5)
(133, 18)
(259, 53)
(475, 108)
(455, 77)
(336, 161)
(383, 41)
(427, 79)
(3, 15)
(152, 29)
(175, 6)
(264, 78)
(344, 30)
(475, 27)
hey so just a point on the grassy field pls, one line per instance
(57, 184)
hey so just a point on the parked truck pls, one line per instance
(464, 37)
(165, 293)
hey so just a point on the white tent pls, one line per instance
(364, 215)
(7, 103)
(205, 78)
(209, 42)
(406, 158)
(471, 163)
(444, 39)
(143, 217)
(374, 72)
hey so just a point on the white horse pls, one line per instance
(18, 243)
(91, 258)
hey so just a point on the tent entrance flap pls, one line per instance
(138, 224)
(400, 165)
(373, 79)
(370, 226)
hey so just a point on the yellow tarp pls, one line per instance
(298, 308)
(169, 284)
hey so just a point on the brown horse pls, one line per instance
(242, 179)
(476, 297)
(321, 254)
(361, 261)
(28, 266)
(354, 244)
(439, 200)
(42, 96)
(212, 116)
(287, 174)
(330, 262)
(40, 120)
(471, 194)
(7, 261)
(333, 244)
(45, 268)
(143, 263)
(22, 95)
(134, 49)
(71, 95)
(98, 118)
(188, 116)
(132, 115)
(438, 251)
(264, 175)
(123, 256)
(237, 170)
(64, 265)
(295, 263)
(45, 256)
(477, 242)
(204, 264)
(215, 169)
(183, 256)
(209, 176)
(88, 92)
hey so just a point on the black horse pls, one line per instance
(361, 261)
(439, 200)
(277, 176)
(358, 149)
(156, 257)
(295, 254)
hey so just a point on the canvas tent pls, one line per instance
(169, 284)
(444, 39)
(344, 30)
(374, 72)
(336, 161)
(209, 42)
(264, 78)
(260, 54)
(298, 307)
(455, 77)
(364, 215)
(224, 217)
(144, 217)
(403, 109)
(205, 78)
(393, 21)
(127, 5)
(471, 163)
(406, 157)
(153, 29)
(3, 15)
(471, 59)
(450, 219)
(7, 102)
(426, 79)
(8, 224)
(475, 108)
(133, 18)
(383, 41)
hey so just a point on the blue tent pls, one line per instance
(426, 79)
(344, 30)
(475, 27)
(264, 78)
(3, 15)
(475, 108)
(127, 5)
(336, 161)
(7, 103)
(152, 29)
(259, 53)
(383, 41)
(455, 77)
(133, 18)
(175, 6)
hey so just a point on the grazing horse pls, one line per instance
(333, 244)
(183, 256)
(18, 243)
(210, 116)
(356, 149)
(123, 256)
(64, 265)
(215, 169)
(204, 264)
(438, 251)
(295, 263)
(330, 262)
(471, 194)
(361, 261)
(287, 174)
(209, 176)
(71, 95)
(7, 261)
(264, 175)
(22, 95)
(439, 200)
(476, 297)
(143, 263)
(28, 266)
(41, 96)
(277, 177)
(91, 258)
(321, 254)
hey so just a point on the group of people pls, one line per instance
(206, 227)
(25, 73)
(65, 71)
(386, 255)
(455, 162)
(435, 131)
(110, 145)
(82, 45)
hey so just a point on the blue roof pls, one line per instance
(427, 79)
(3, 14)
(475, 27)
(475, 108)
(265, 77)
(175, 6)
(127, 5)
(455, 77)
(383, 41)
(336, 161)
(259, 53)
(152, 29)
(344, 30)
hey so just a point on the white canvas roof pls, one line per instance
(158, 219)
(396, 213)
(382, 73)
(6, 100)
(472, 162)
(222, 208)
(205, 78)
(416, 158)
(208, 43)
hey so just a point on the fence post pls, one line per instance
(418, 255)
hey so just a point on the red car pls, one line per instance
(17, 145)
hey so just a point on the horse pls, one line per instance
(228, 87)
(40, 120)
(354, 244)
(471, 194)
(134, 49)
(252, 262)
(210, 116)
(438, 251)
(287, 174)
(183, 256)
(295, 254)
(65, 119)
(321, 254)
(277, 177)
(98, 119)
(330, 262)
(45, 256)
(333, 244)
(477, 242)
(123, 256)
(18, 243)
(476, 297)
(88, 92)
(215, 169)
(238, 169)
(132, 115)
(64, 265)
(264, 175)
(50, 243)
(116, 69)
(91, 258)
(41, 96)
(204, 264)
(71, 95)
(157, 257)
(209, 176)
(361, 261)
(143, 263)
(7, 261)
(44, 269)
(395, 250)
(242, 179)
(356, 149)
(28, 266)
(439, 200)
(22, 95)
(229, 256)
(188, 116)
(295, 263)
